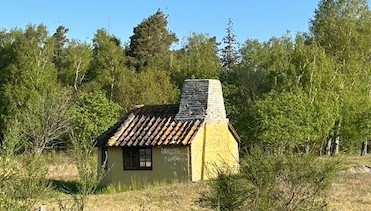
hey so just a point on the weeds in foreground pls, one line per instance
(268, 181)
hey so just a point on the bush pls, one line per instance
(22, 176)
(270, 181)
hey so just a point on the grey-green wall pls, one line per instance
(168, 164)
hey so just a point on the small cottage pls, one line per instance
(189, 141)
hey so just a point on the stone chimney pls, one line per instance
(202, 99)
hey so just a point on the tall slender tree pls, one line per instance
(60, 45)
(229, 55)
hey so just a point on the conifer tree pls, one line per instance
(150, 43)
(60, 44)
(229, 55)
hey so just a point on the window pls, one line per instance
(137, 158)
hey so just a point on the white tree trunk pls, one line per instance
(364, 148)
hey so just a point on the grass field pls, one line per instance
(350, 191)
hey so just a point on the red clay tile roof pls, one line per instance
(151, 125)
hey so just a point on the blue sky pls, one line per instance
(253, 19)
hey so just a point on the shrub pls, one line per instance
(269, 181)
(22, 176)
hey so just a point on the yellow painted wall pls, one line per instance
(168, 164)
(213, 149)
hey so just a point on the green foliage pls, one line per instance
(150, 43)
(108, 63)
(283, 120)
(229, 54)
(197, 59)
(60, 40)
(268, 181)
(231, 93)
(83, 151)
(147, 87)
(49, 122)
(226, 193)
(22, 177)
(75, 65)
(29, 76)
(28, 171)
(92, 114)
(342, 28)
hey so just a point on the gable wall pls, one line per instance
(213, 149)
(168, 164)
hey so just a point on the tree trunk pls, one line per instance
(307, 146)
(336, 146)
(75, 84)
(364, 148)
(328, 146)
(336, 137)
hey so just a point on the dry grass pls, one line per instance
(351, 191)
(182, 196)
(357, 161)
(178, 196)
(66, 172)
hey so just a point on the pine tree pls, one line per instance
(229, 56)
(150, 43)
(60, 44)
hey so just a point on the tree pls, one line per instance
(60, 45)
(6, 57)
(229, 55)
(197, 59)
(76, 64)
(47, 125)
(148, 87)
(89, 178)
(287, 66)
(150, 43)
(342, 28)
(29, 76)
(108, 63)
(92, 114)
(283, 121)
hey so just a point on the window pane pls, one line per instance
(142, 152)
(137, 158)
